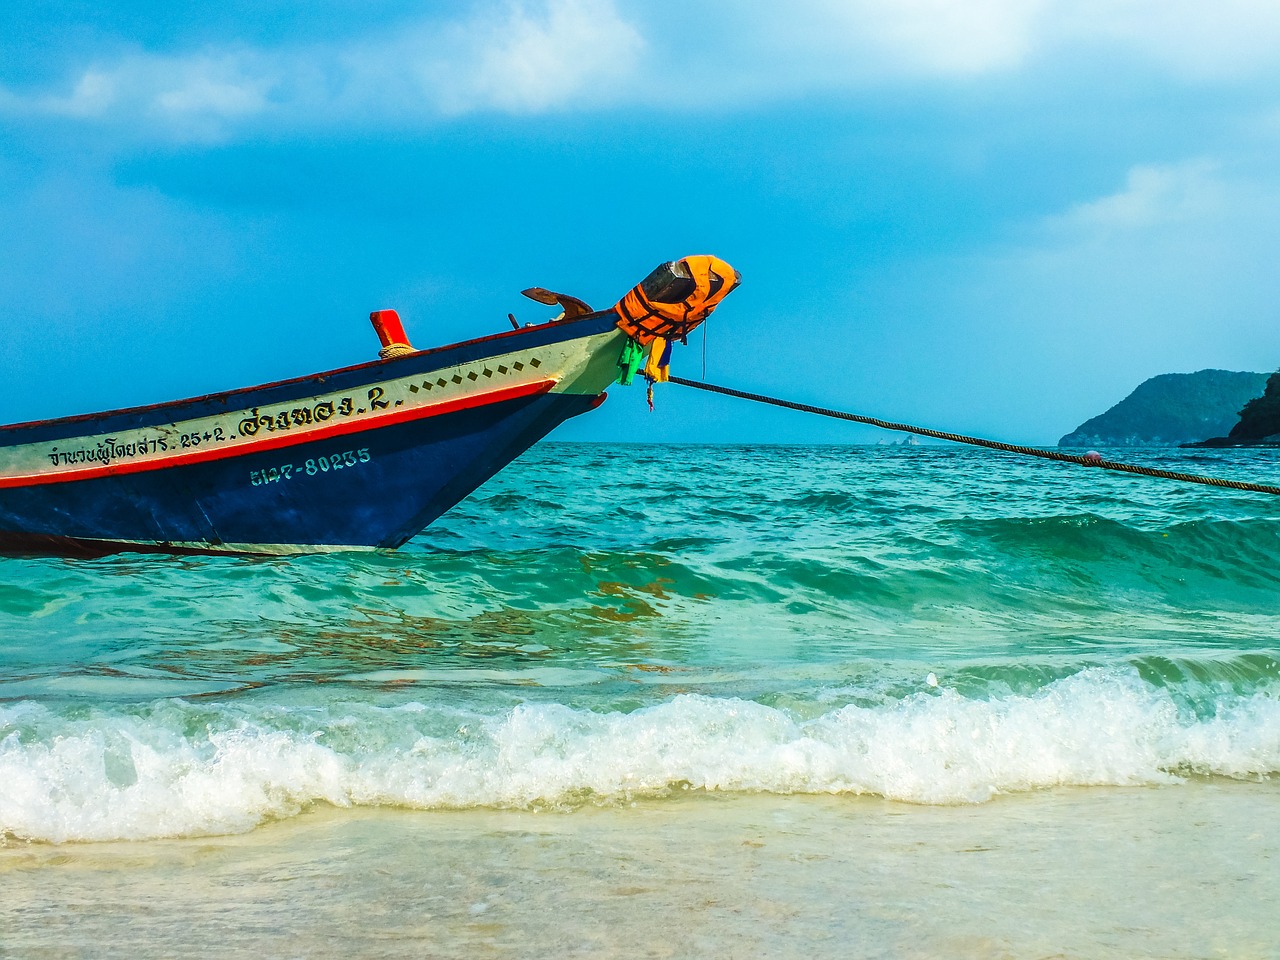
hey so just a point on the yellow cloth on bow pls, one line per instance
(657, 364)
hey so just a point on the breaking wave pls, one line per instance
(181, 768)
(598, 625)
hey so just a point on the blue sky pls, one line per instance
(992, 216)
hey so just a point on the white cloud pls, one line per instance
(535, 63)
(936, 37)
(1223, 39)
(1153, 196)
(1173, 272)
(218, 86)
(189, 97)
(967, 37)
(92, 95)
(805, 46)
(528, 58)
(560, 55)
(722, 53)
(531, 56)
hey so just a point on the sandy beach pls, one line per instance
(1182, 871)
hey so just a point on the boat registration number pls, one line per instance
(313, 466)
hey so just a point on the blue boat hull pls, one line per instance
(376, 489)
(361, 458)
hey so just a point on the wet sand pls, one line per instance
(1181, 871)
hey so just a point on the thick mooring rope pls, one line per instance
(1085, 460)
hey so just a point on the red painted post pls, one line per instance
(390, 329)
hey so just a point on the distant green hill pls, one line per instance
(1173, 408)
(1260, 418)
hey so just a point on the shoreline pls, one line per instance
(1174, 871)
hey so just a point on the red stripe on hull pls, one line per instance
(289, 439)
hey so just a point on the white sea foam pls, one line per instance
(174, 768)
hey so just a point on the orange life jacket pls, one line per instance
(643, 319)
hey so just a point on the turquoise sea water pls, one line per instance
(604, 625)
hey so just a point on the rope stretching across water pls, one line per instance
(1081, 460)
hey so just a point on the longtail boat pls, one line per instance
(363, 457)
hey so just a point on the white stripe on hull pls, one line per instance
(579, 366)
